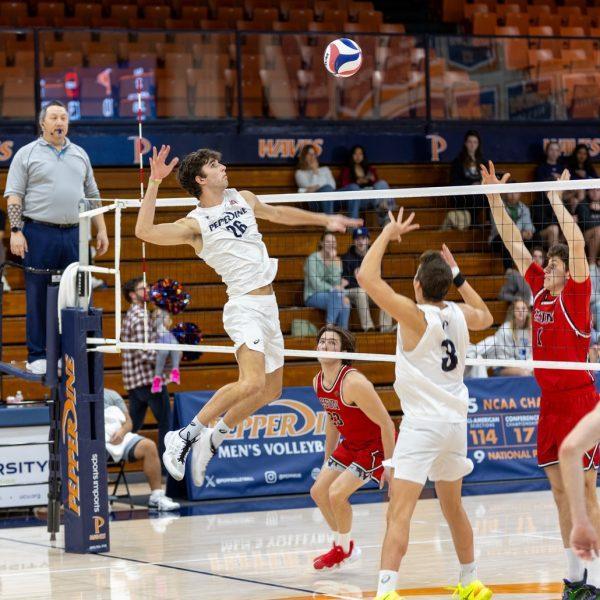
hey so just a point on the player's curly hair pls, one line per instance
(434, 275)
(348, 340)
(559, 251)
(191, 166)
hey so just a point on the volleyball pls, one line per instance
(343, 57)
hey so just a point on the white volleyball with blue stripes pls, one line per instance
(343, 57)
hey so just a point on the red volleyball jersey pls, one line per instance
(561, 331)
(354, 425)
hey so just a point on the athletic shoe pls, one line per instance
(474, 591)
(390, 596)
(37, 367)
(157, 384)
(175, 376)
(580, 590)
(201, 454)
(162, 502)
(176, 452)
(354, 553)
(330, 559)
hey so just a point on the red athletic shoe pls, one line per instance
(330, 559)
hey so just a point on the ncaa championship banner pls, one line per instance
(278, 450)
(502, 430)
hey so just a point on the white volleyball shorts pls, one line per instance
(430, 450)
(254, 321)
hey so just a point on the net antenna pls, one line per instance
(139, 86)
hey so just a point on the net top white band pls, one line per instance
(421, 192)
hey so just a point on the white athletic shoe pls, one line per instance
(354, 556)
(37, 367)
(202, 452)
(176, 452)
(162, 502)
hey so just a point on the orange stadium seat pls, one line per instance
(229, 15)
(552, 20)
(18, 98)
(516, 52)
(285, 6)
(50, 10)
(452, 11)
(355, 7)
(519, 20)
(372, 18)
(123, 13)
(172, 97)
(503, 9)
(194, 14)
(339, 16)
(471, 9)
(13, 11)
(210, 98)
(572, 32)
(157, 13)
(102, 59)
(67, 59)
(484, 23)
(535, 11)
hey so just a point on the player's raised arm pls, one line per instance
(578, 264)
(183, 231)
(477, 314)
(507, 229)
(402, 308)
(289, 215)
(584, 539)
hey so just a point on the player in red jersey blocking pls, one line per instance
(355, 412)
(561, 332)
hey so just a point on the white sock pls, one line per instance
(387, 582)
(192, 431)
(155, 493)
(593, 572)
(336, 538)
(468, 573)
(344, 541)
(219, 432)
(575, 567)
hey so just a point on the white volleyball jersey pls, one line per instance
(233, 246)
(429, 379)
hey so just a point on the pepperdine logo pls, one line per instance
(297, 421)
(6, 150)
(227, 218)
(286, 147)
(70, 438)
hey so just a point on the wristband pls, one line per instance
(455, 271)
(459, 280)
(156, 181)
(15, 216)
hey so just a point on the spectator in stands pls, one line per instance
(358, 174)
(544, 219)
(310, 177)
(138, 365)
(512, 341)
(519, 213)
(464, 170)
(122, 444)
(46, 181)
(515, 286)
(580, 164)
(351, 262)
(588, 217)
(323, 283)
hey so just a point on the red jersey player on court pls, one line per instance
(355, 412)
(561, 332)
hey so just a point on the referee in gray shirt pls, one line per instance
(46, 181)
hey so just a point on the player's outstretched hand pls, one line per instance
(488, 175)
(564, 176)
(159, 168)
(584, 540)
(341, 223)
(447, 256)
(396, 228)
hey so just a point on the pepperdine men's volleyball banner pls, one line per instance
(283, 443)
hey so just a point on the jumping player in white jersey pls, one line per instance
(222, 230)
(430, 361)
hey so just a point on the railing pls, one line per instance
(280, 76)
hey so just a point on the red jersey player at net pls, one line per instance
(355, 412)
(561, 332)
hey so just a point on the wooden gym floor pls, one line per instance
(268, 555)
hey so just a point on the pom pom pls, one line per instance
(169, 295)
(188, 333)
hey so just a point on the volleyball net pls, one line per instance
(310, 263)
